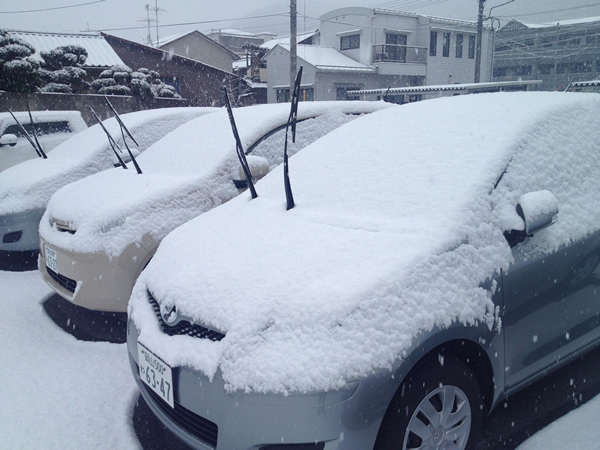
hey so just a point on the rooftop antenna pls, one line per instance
(156, 10)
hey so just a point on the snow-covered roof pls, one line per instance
(447, 87)
(185, 174)
(30, 184)
(286, 39)
(100, 53)
(392, 235)
(328, 58)
(580, 21)
(586, 83)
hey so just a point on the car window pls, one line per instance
(307, 131)
(41, 128)
(564, 164)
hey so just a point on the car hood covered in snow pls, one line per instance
(393, 232)
(30, 184)
(186, 173)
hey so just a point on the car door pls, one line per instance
(551, 290)
(551, 307)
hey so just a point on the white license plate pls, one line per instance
(50, 257)
(156, 374)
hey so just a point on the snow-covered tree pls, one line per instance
(61, 69)
(142, 83)
(19, 72)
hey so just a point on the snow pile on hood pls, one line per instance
(184, 175)
(30, 184)
(393, 232)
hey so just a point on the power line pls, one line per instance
(551, 11)
(51, 9)
(195, 23)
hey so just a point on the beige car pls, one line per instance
(98, 234)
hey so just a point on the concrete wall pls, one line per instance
(71, 102)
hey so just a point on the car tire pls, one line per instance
(441, 401)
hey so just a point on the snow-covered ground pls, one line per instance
(58, 392)
(55, 391)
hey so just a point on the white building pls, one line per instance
(366, 48)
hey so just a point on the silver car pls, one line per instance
(440, 257)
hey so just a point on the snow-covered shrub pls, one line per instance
(18, 71)
(57, 87)
(143, 83)
(115, 90)
(62, 66)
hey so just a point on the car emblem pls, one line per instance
(168, 314)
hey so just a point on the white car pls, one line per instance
(99, 233)
(26, 188)
(51, 128)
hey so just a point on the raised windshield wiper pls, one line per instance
(39, 151)
(291, 121)
(123, 130)
(39, 146)
(238, 146)
(111, 141)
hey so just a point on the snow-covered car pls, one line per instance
(50, 127)
(421, 278)
(98, 234)
(26, 188)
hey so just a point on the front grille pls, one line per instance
(184, 327)
(65, 282)
(197, 426)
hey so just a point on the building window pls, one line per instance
(433, 43)
(459, 45)
(307, 95)
(283, 95)
(446, 45)
(472, 39)
(547, 42)
(395, 47)
(500, 72)
(545, 69)
(350, 42)
(341, 93)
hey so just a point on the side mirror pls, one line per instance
(538, 210)
(259, 167)
(8, 139)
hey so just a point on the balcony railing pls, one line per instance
(399, 54)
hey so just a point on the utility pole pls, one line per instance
(293, 48)
(478, 43)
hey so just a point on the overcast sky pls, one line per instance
(128, 19)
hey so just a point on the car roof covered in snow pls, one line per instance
(30, 184)
(184, 174)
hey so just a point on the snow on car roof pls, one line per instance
(184, 174)
(30, 184)
(393, 232)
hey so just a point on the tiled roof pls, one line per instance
(100, 53)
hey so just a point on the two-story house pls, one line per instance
(368, 48)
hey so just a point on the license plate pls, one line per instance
(50, 257)
(156, 374)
